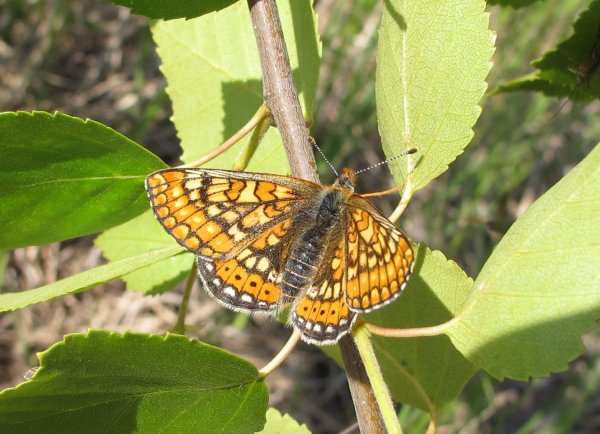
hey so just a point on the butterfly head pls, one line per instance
(346, 180)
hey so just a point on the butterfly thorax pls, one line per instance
(308, 250)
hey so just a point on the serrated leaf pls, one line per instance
(570, 69)
(168, 10)
(278, 423)
(63, 177)
(107, 382)
(87, 279)
(215, 80)
(575, 60)
(425, 372)
(540, 289)
(432, 60)
(140, 235)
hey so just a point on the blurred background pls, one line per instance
(91, 59)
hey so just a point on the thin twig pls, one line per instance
(179, 326)
(260, 130)
(406, 196)
(368, 413)
(261, 114)
(282, 355)
(410, 332)
(282, 99)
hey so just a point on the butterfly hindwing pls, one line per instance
(380, 258)
(249, 281)
(322, 315)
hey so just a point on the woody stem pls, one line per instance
(281, 97)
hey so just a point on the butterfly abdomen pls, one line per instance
(307, 252)
(303, 264)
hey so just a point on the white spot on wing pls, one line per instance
(229, 291)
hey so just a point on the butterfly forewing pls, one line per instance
(216, 213)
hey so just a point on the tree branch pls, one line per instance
(279, 90)
(282, 99)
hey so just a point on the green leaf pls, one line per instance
(425, 372)
(64, 177)
(215, 80)
(512, 3)
(432, 60)
(140, 235)
(532, 83)
(540, 289)
(279, 424)
(87, 279)
(105, 382)
(570, 69)
(575, 60)
(170, 9)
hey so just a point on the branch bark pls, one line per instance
(279, 89)
(281, 97)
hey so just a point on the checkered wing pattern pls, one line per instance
(379, 258)
(237, 223)
(322, 314)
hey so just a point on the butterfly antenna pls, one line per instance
(404, 154)
(314, 143)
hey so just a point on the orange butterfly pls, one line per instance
(265, 242)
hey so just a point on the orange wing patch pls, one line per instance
(239, 286)
(380, 260)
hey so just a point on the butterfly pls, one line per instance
(267, 242)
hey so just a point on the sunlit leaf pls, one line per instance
(139, 235)
(540, 290)
(215, 79)
(432, 60)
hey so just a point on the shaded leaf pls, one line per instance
(108, 382)
(512, 3)
(532, 83)
(540, 289)
(215, 80)
(87, 279)
(65, 177)
(139, 235)
(571, 68)
(170, 9)
(432, 60)
(574, 61)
